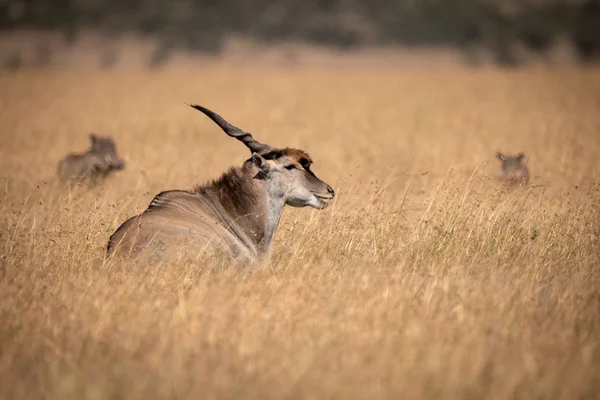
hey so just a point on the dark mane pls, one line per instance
(235, 190)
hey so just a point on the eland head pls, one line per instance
(286, 172)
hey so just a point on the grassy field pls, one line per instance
(424, 279)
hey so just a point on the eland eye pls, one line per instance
(290, 166)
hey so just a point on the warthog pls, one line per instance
(513, 170)
(236, 215)
(96, 163)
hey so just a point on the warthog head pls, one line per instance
(513, 168)
(106, 150)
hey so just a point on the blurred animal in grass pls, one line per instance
(513, 170)
(93, 165)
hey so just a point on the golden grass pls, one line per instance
(425, 278)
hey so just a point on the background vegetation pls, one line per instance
(500, 26)
(425, 278)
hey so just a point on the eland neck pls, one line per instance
(253, 210)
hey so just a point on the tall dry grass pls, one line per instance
(425, 278)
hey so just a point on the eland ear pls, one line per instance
(260, 162)
(500, 156)
(520, 157)
(93, 138)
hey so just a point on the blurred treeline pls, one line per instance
(203, 25)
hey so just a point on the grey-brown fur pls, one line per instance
(235, 216)
(513, 170)
(96, 163)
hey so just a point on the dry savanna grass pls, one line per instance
(424, 278)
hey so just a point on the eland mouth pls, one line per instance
(321, 197)
(327, 196)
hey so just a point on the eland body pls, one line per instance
(236, 215)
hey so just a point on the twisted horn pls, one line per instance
(233, 131)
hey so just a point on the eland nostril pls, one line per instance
(331, 191)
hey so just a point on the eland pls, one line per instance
(236, 215)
